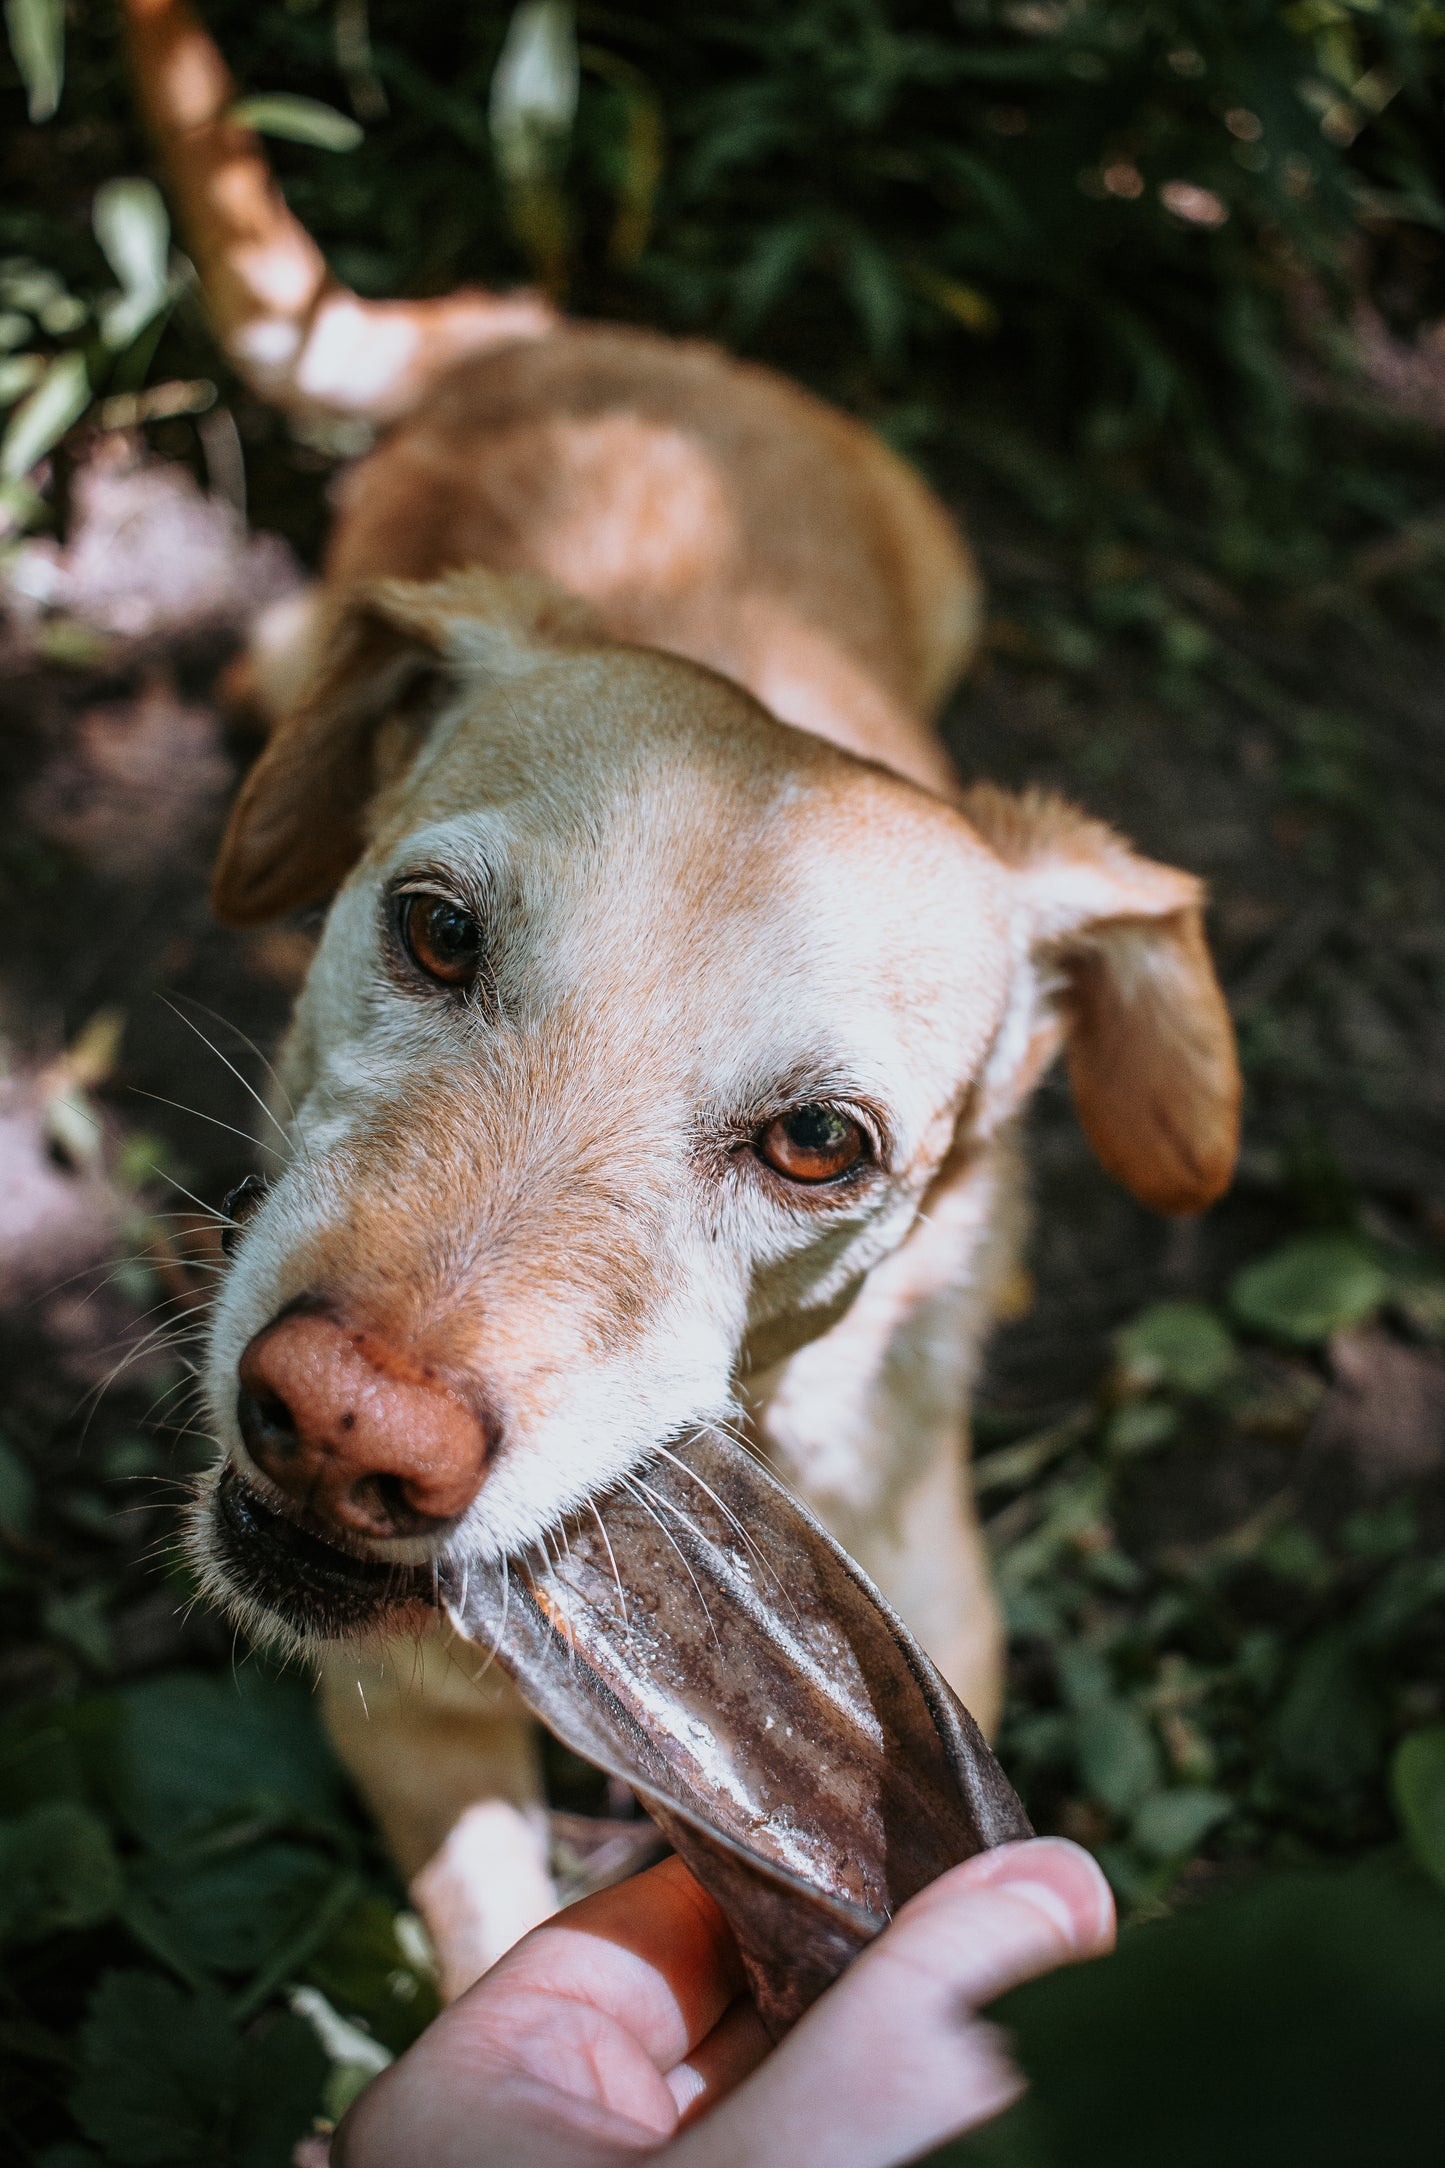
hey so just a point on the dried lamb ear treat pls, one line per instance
(704, 1638)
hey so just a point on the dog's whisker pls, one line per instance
(230, 1025)
(496, 1649)
(617, 1577)
(257, 1144)
(162, 1336)
(227, 1063)
(636, 1489)
(731, 1518)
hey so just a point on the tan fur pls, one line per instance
(639, 647)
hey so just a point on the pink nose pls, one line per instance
(356, 1433)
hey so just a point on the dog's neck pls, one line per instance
(797, 670)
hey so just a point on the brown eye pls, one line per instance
(813, 1144)
(441, 938)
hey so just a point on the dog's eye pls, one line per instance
(441, 939)
(815, 1143)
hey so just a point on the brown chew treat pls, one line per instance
(709, 1642)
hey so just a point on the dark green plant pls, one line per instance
(1081, 239)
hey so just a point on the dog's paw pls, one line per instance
(487, 1887)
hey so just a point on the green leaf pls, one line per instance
(58, 1871)
(1181, 1346)
(134, 233)
(56, 1753)
(534, 91)
(167, 2080)
(158, 2071)
(195, 1749)
(1328, 1727)
(78, 1618)
(1417, 1780)
(231, 1914)
(39, 422)
(1172, 1825)
(364, 1970)
(298, 120)
(770, 267)
(19, 373)
(1311, 1288)
(872, 286)
(1140, 1425)
(1117, 1754)
(283, 2076)
(37, 41)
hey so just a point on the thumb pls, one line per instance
(893, 2059)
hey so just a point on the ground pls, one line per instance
(1211, 1452)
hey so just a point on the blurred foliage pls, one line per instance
(1106, 249)
(1265, 1697)
(201, 1954)
(1185, 1703)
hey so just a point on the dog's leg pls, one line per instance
(449, 1765)
(869, 1424)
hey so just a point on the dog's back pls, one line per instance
(701, 505)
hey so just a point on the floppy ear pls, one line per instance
(394, 649)
(1118, 968)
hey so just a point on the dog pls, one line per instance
(662, 1059)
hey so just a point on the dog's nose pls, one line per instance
(356, 1433)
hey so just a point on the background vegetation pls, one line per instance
(1153, 291)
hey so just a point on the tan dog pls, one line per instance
(662, 1058)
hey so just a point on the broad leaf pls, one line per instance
(39, 422)
(1417, 1778)
(299, 120)
(1172, 1825)
(1310, 1289)
(194, 1749)
(1117, 1754)
(58, 1870)
(1328, 1726)
(534, 91)
(134, 233)
(37, 41)
(365, 1970)
(168, 2081)
(1181, 1346)
(232, 1913)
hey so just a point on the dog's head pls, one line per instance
(640, 1029)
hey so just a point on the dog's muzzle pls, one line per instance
(276, 1562)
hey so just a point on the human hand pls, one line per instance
(601, 2039)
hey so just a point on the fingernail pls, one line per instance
(1059, 1879)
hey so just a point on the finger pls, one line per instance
(654, 1953)
(730, 2053)
(565, 2042)
(893, 2060)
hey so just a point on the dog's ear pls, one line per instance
(394, 650)
(1118, 968)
